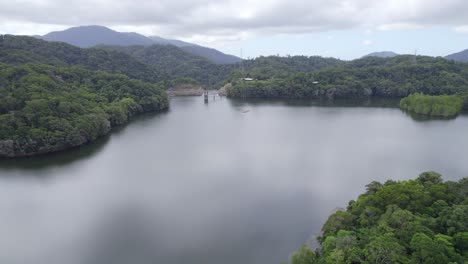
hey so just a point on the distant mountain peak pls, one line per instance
(92, 26)
(461, 56)
(94, 35)
(383, 54)
(89, 36)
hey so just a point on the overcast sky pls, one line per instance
(338, 28)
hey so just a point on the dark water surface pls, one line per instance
(228, 182)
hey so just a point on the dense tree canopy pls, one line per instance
(54, 96)
(286, 77)
(45, 109)
(277, 67)
(19, 50)
(438, 106)
(367, 77)
(178, 63)
(414, 221)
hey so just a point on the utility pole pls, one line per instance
(415, 59)
(242, 63)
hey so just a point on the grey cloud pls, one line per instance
(184, 18)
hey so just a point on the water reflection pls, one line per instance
(67, 157)
(425, 118)
(358, 102)
(213, 184)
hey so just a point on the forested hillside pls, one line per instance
(415, 221)
(277, 67)
(370, 76)
(177, 63)
(212, 55)
(45, 109)
(21, 49)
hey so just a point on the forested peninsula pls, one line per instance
(46, 109)
(414, 221)
(55, 96)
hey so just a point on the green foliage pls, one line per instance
(385, 249)
(430, 178)
(19, 50)
(184, 80)
(276, 67)
(433, 250)
(441, 105)
(414, 221)
(177, 63)
(45, 109)
(454, 219)
(304, 256)
(338, 221)
(367, 77)
(460, 240)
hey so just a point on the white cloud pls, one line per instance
(221, 20)
(461, 29)
(367, 42)
(29, 28)
(399, 26)
(217, 40)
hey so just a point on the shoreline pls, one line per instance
(12, 144)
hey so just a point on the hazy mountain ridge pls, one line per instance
(175, 42)
(213, 55)
(461, 56)
(382, 54)
(89, 36)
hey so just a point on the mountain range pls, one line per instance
(90, 36)
(461, 56)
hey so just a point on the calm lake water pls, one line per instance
(228, 182)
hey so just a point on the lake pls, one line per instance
(226, 182)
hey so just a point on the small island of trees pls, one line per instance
(437, 106)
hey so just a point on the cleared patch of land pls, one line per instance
(186, 90)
